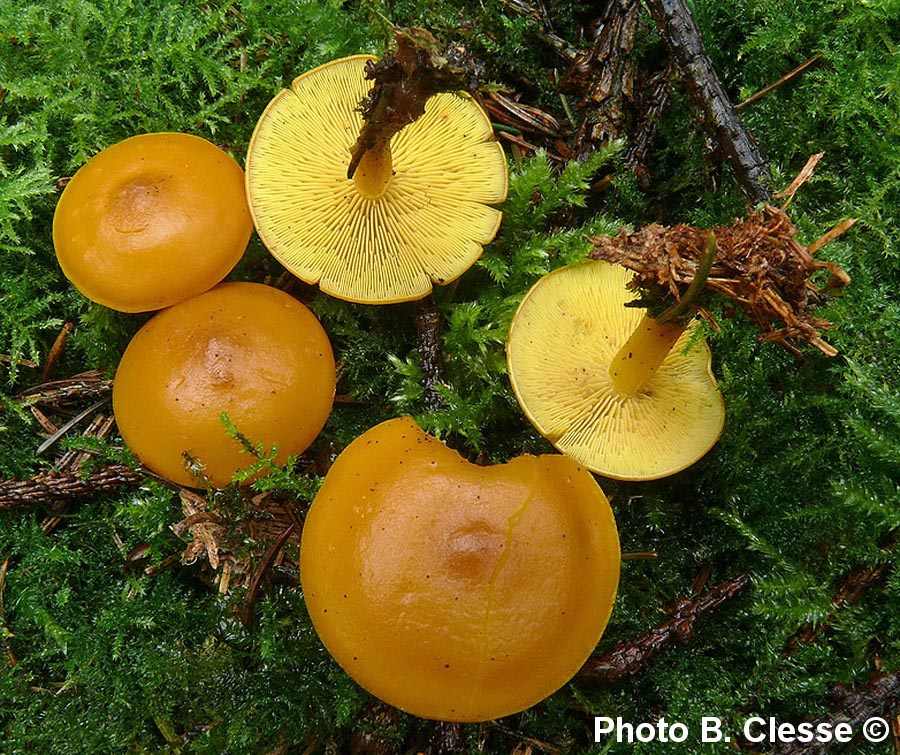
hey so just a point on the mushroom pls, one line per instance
(415, 211)
(151, 221)
(454, 591)
(244, 350)
(626, 395)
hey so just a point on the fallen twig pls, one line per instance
(56, 350)
(852, 588)
(780, 83)
(880, 698)
(677, 27)
(54, 487)
(628, 658)
(90, 384)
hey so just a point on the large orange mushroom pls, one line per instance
(455, 591)
(244, 350)
(151, 221)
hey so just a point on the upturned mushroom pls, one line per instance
(416, 209)
(455, 591)
(151, 221)
(244, 350)
(628, 395)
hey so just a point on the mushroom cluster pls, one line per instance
(450, 590)
(155, 222)
(455, 591)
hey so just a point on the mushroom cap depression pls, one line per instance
(455, 591)
(151, 221)
(246, 350)
(428, 226)
(562, 339)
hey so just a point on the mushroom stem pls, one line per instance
(650, 343)
(374, 171)
(642, 354)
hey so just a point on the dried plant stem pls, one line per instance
(780, 83)
(628, 658)
(54, 487)
(265, 564)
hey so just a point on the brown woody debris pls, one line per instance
(54, 487)
(879, 698)
(219, 538)
(759, 264)
(852, 588)
(628, 658)
(87, 385)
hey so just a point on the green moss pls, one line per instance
(800, 491)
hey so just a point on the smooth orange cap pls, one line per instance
(243, 349)
(151, 221)
(454, 591)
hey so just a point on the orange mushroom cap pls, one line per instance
(151, 221)
(428, 225)
(454, 591)
(243, 349)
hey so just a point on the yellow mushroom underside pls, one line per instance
(428, 226)
(563, 338)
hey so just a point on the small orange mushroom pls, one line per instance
(454, 591)
(243, 349)
(151, 221)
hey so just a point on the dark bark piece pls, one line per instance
(54, 487)
(677, 27)
(603, 76)
(653, 100)
(879, 698)
(628, 658)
